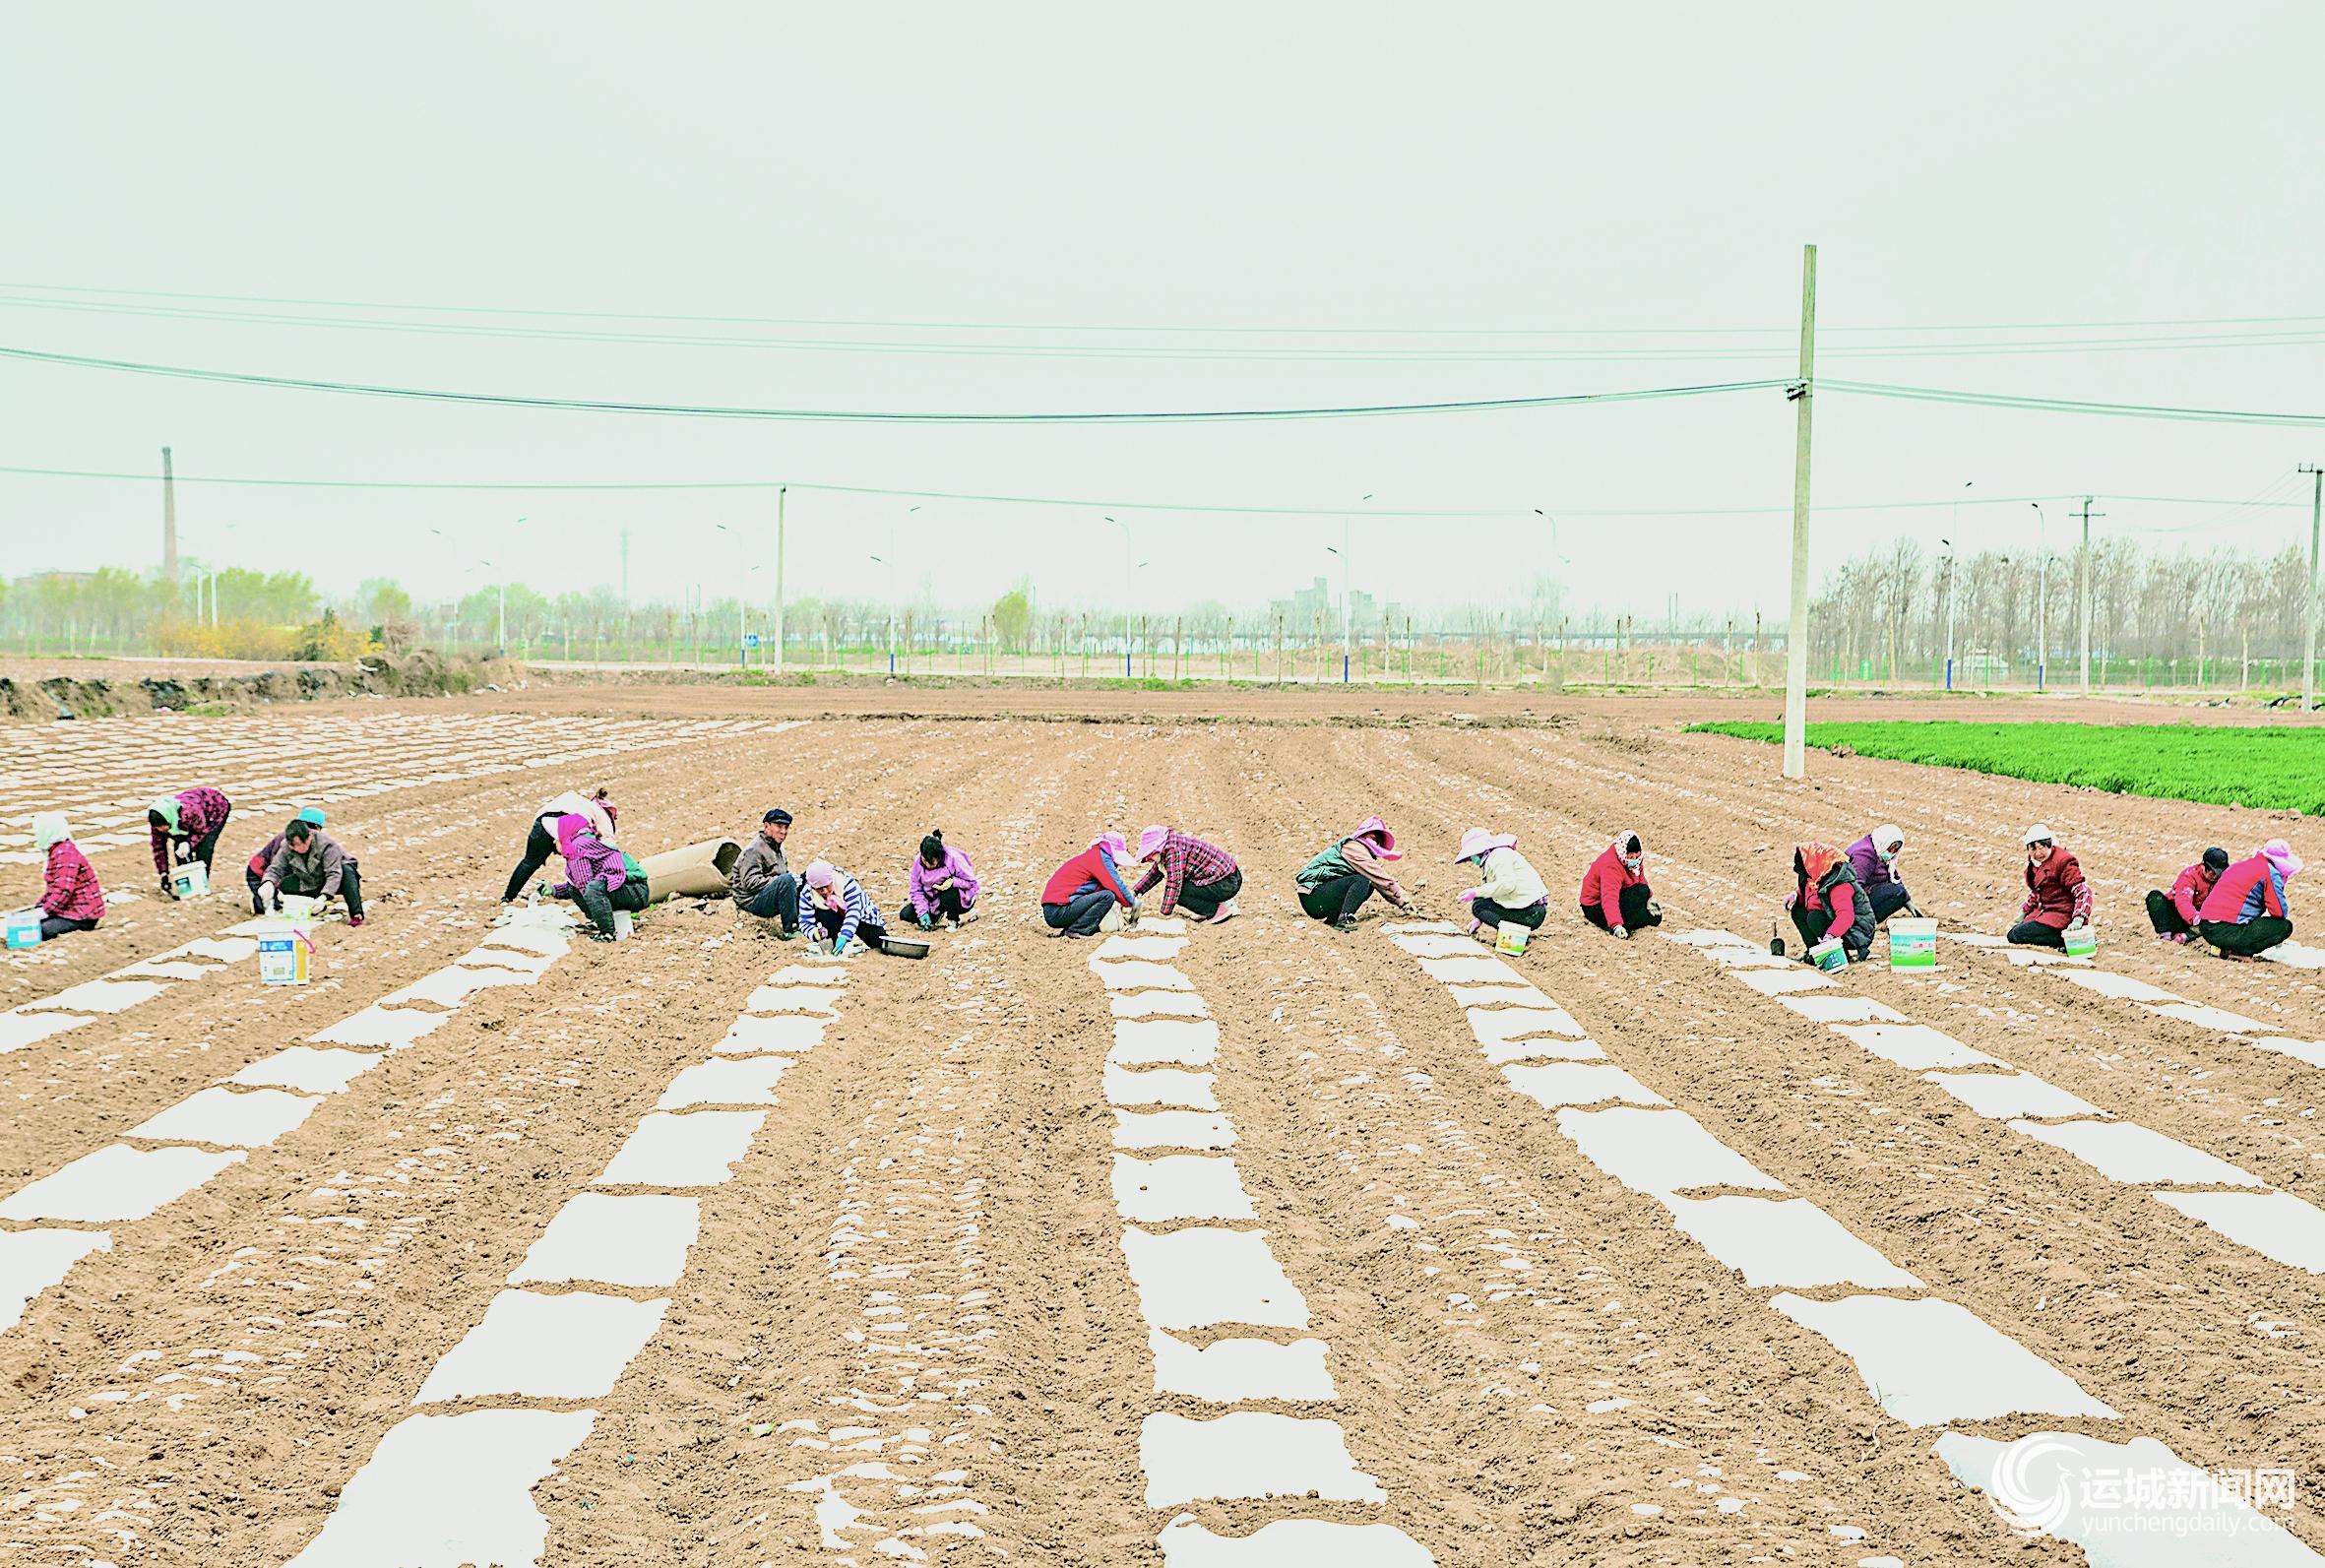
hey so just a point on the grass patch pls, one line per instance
(2270, 769)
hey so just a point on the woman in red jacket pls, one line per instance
(2057, 897)
(1079, 895)
(1615, 897)
(70, 898)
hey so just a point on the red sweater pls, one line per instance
(2190, 891)
(1087, 867)
(1603, 883)
(71, 892)
(2056, 893)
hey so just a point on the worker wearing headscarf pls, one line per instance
(185, 828)
(1615, 897)
(1827, 901)
(1082, 893)
(1334, 885)
(2246, 913)
(1873, 858)
(70, 898)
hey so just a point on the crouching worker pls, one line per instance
(1826, 901)
(598, 877)
(836, 907)
(1508, 888)
(762, 882)
(1335, 885)
(70, 898)
(944, 886)
(1873, 858)
(185, 828)
(254, 875)
(310, 863)
(1079, 895)
(541, 840)
(2057, 897)
(2245, 914)
(1615, 897)
(2173, 914)
(1199, 877)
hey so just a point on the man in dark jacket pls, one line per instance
(762, 881)
(2173, 914)
(311, 865)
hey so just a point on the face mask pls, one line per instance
(1888, 857)
(1631, 862)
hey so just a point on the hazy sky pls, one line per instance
(1631, 185)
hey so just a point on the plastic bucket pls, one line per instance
(1913, 943)
(1510, 937)
(1828, 954)
(2081, 944)
(622, 926)
(285, 957)
(191, 879)
(24, 929)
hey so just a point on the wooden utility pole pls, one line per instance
(1795, 761)
(2308, 647)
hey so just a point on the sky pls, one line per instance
(1076, 207)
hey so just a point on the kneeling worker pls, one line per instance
(311, 865)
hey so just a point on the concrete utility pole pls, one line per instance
(168, 520)
(1796, 763)
(2087, 514)
(625, 596)
(2309, 648)
(780, 491)
(2041, 592)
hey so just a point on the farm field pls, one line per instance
(1209, 1246)
(2269, 767)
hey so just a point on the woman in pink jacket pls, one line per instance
(943, 886)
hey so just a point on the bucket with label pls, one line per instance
(286, 956)
(1913, 943)
(24, 929)
(1510, 937)
(2081, 941)
(191, 879)
(1829, 955)
(622, 926)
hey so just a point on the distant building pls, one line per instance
(1321, 598)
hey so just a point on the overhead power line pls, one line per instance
(561, 486)
(2120, 410)
(878, 415)
(1784, 330)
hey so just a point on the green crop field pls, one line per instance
(2277, 768)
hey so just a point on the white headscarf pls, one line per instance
(50, 829)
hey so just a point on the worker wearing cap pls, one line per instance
(2057, 897)
(762, 881)
(255, 873)
(2174, 915)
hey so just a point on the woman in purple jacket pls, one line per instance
(597, 876)
(943, 886)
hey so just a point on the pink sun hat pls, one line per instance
(1151, 838)
(1475, 842)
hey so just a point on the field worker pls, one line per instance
(1508, 886)
(1334, 886)
(1826, 901)
(2245, 913)
(540, 841)
(943, 885)
(309, 863)
(832, 902)
(1615, 897)
(597, 876)
(2057, 897)
(762, 882)
(70, 898)
(1873, 858)
(185, 828)
(1080, 894)
(1201, 878)
(255, 873)
(2173, 914)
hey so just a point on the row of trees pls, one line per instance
(1890, 607)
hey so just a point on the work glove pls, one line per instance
(166, 890)
(927, 922)
(1622, 931)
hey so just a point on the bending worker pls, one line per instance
(597, 876)
(1827, 901)
(310, 863)
(1334, 885)
(1615, 897)
(1198, 876)
(2174, 915)
(185, 828)
(541, 840)
(1082, 893)
(2245, 914)
(1873, 858)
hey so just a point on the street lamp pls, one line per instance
(1950, 568)
(1127, 593)
(742, 628)
(1347, 640)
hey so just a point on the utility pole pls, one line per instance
(169, 523)
(2309, 648)
(2041, 592)
(780, 491)
(2087, 514)
(1796, 763)
(625, 596)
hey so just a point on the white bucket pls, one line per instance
(1510, 937)
(621, 925)
(2081, 941)
(286, 957)
(1828, 954)
(191, 879)
(24, 929)
(1913, 943)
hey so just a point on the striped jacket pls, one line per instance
(856, 906)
